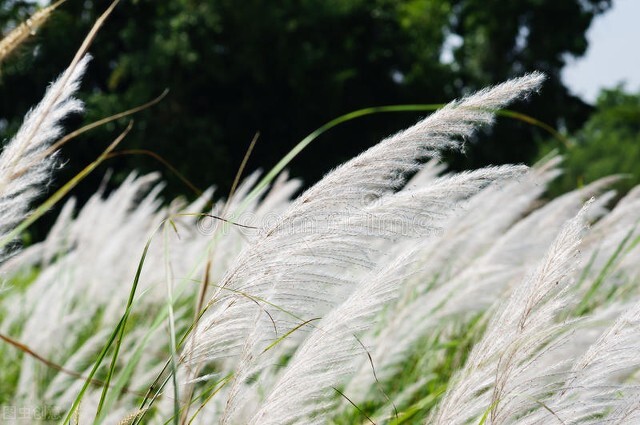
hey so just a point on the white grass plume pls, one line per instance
(426, 210)
(382, 168)
(498, 258)
(25, 167)
(292, 257)
(328, 355)
(494, 378)
(594, 384)
(367, 282)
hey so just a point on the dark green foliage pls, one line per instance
(504, 39)
(284, 68)
(609, 143)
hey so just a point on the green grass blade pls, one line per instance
(583, 307)
(122, 325)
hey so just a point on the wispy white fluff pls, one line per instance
(24, 170)
(303, 255)
(430, 208)
(328, 355)
(382, 167)
(498, 258)
(593, 386)
(494, 380)
(400, 268)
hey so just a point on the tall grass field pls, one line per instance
(390, 292)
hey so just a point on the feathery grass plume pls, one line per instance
(470, 234)
(613, 249)
(82, 286)
(365, 289)
(332, 349)
(312, 244)
(425, 211)
(23, 169)
(22, 32)
(328, 354)
(594, 387)
(500, 380)
(382, 168)
(427, 302)
(342, 234)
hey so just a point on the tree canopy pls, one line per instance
(607, 144)
(284, 68)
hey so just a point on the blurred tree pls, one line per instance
(503, 39)
(284, 68)
(609, 143)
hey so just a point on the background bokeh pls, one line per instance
(285, 68)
